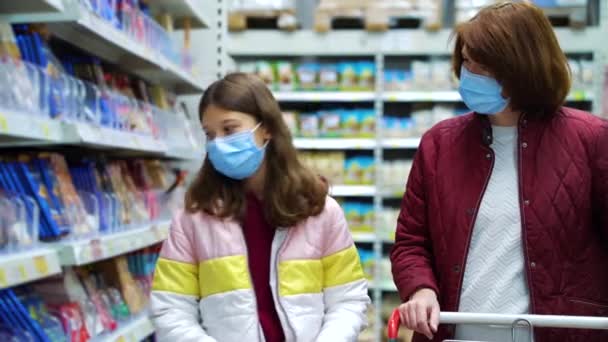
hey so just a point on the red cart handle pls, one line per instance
(393, 326)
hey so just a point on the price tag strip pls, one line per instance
(107, 246)
(22, 267)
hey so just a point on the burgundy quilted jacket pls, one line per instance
(563, 195)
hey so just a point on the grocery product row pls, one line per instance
(382, 15)
(288, 76)
(400, 74)
(45, 198)
(339, 167)
(135, 20)
(81, 90)
(106, 301)
(361, 123)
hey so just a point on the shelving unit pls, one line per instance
(181, 9)
(25, 266)
(353, 190)
(86, 251)
(99, 38)
(334, 144)
(325, 96)
(71, 21)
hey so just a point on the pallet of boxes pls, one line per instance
(379, 15)
(280, 12)
(572, 13)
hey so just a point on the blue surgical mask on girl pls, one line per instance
(236, 156)
(480, 93)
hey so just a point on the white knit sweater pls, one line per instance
(494, 278)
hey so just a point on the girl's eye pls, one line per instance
(210, 136)
(229, 130)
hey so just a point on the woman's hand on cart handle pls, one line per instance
(420, 313)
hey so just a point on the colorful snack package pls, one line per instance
(328, 77)
(308, 76)
(286, 77)
(348, 75)
(309, 125)
(367, 122)
(330, 123)
(350, 123)
(366, 75)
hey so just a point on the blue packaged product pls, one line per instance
(348, 75)
(367, 120)
(350, 123)
(353, 171)
(30, 322)
(352, 213)
(308, 76)
(7, 315)
(366, 75)
(37, 190)
(366, 165)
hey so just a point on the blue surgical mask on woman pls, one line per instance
(236, 156)
(480, 93)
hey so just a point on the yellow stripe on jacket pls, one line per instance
(313, 276)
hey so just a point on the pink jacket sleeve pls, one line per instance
(411, 256)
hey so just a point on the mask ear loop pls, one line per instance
(254, 129)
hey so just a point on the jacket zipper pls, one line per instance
(524, 235)
(276, 289)
(471, 227)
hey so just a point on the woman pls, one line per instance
(261, 253)
(506, 208)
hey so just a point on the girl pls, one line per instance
(261, 253)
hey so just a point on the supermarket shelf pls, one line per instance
(325, 96)
(422, 96)
(104, 137)
(403, 143)
(334, 144)
(454, 96)
(184, 154)
(22, 267)
(16, 127)
(362, 43)
(134, 330)
(87, 251)
(364, 237)
(181, 9)
(100, 38)
(353, 190)
(17, 8)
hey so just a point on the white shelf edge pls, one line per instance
(324, 96)
(25, 266)
(110, 138)
(335, 143)
(104, 31)
(352, 190)
(86, 251)
(391, 43)
(364, 237)
(34, 127)
(401, 143)
(134, 330)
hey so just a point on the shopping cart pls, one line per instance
(513, 321)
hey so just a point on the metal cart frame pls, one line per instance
(530, 321)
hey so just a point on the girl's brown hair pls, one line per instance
(516, 43)
(292, 192)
